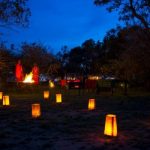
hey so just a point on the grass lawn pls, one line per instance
(69, 125)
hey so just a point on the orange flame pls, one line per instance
(28, 78)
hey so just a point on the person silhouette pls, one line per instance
(35, 72)
(19, 72)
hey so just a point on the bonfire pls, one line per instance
(28, 78)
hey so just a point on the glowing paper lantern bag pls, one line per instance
(36, 110)
(58, 98)
(110, 125)
(91, 104)
(1, 95)
(6, 100)
(46, 94)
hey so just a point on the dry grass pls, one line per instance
(70, 126)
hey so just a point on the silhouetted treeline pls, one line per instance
(124, 53)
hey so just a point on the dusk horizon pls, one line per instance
(56, 24)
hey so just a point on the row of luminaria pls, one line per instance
(110, 122)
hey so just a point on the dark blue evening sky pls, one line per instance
(63, 22)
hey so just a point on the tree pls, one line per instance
(127, 52)
(128, 49)
(14, 12)
(113, 43)
(36, 53)
(100, 59)
(7, 62)
(89, 55)
(135, 11)
(75, 62)
(63, 59)
(133, 63)
(82, 59)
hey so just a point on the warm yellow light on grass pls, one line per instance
(6, 100)
(110, 125)
(58, 98)
(46, 94)
(91, 104)
(1, 95)
(36, 110)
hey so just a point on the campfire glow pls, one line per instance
(28, 78)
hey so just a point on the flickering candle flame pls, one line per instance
(110, 125)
